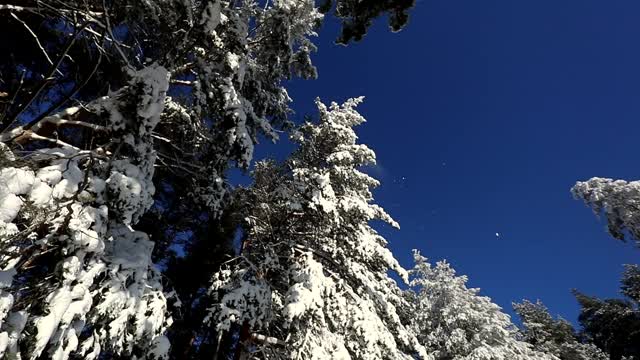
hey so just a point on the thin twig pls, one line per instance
(13, 98)
(36, 39)
(77, 88)
(183, 82)
(116, 43)
(47, 78)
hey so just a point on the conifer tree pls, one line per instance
(85, 283)
(120, 120)
(611, 324)
(453, 322)
(312, 275)
(554, 336)
(617, 200)
(614, 324)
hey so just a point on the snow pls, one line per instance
(156, 82)
(4, 342)
(58, 302)
(617, 200)
(5, 152)
(212, 17)
(13, 182)
(40, 194)
(6, 277)
(306, 295)
(127, 184)
(8, 229)
(159, 348)
(10, 205)
(325, 277)
(453, 321)
(50, 174)
(15, 323)
(16, 181)
(89, 218)
(233, 60)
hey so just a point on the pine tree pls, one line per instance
(312, 275)
(612, 324)
(454, 322)
(553, 336)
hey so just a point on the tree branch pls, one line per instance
(36, 38)
(46, 80)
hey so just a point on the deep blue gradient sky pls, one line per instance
(483, 114)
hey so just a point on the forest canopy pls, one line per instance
(120, 123)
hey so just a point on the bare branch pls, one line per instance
(76, 89)
(19, 8)
(183, 82)
(30, 135)
(48, 78)
(37, 10)
(182, 68)
(37, 40)
(22, 133)
(13, 98)
(116, 43)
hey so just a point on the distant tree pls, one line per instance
(614, 324)
(453, 322)
(611, 324)
(312, 279)
(553, 336)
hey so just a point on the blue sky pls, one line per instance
(483, 115)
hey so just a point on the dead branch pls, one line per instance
(36, 39)
(22, 134)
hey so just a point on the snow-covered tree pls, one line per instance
(91, 133)
(614, 324)
(454, 322)
(84, 281)
(553, 336)
(617, 200)
(311, 281)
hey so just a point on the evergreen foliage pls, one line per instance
(554, 336)
(313, 273)
(454, 322)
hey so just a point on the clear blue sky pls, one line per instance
(483, 115)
